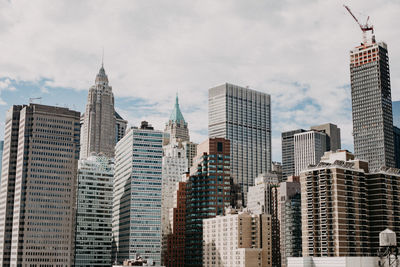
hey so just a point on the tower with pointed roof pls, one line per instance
(98, 131)
(176, 127)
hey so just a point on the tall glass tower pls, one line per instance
(136, 219)
(372, 104)
(243, 116)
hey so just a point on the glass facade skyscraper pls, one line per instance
(372, 104)
(243, 116)
(136, 218)
(93, 216)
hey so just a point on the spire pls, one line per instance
(101, 77)
(176, 115)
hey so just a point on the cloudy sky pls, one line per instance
(297, 51)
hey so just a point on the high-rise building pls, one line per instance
(287, 140)
(345, 206)
(175, 255)
(93, 237)
(120, 127)
(383, 188)
(309, 147)
(334, 207)
(238, 239)
(289, 214)
(243, 116)
(176, 127)
(137, 195)
(39, 182)
(98, 129)
(396, 113)
(9, 164)
(174, 165)
(208, 193)
(396, 138)
(332, 132)
(1, 156)
(372, 104)
(263, 199)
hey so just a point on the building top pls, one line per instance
(101, 77)
(176, 115)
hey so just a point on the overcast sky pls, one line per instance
(297, 51)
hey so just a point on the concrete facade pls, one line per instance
(98, 129)
(238, 239)
(309, 147)
(39, 227)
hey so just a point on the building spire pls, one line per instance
(101, 77)
(176, 115)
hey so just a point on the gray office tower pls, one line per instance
(243, 116)
(37, 196)
(372, 104)
(288, 152)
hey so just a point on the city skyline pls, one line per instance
(165, 57)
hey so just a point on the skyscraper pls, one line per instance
(332, 132)
(137, 195)
(242, 116)
(263, 199)
(287, 139)
(309, 147)
(334, 207)
(94, 211)
(289, 214)
(99, 131)
(208, 194)
(372, 104)
(39, 228)
(120, 127)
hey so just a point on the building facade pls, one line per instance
(263, 199)
(287, 139)
(136, 218)
(207, 193)
(175, 255)
(334, 207)
(396, 138)
(39, 228)
(174, 165)
(120, 127)
(242, 116)
(309, 147)
(93, 238)
(289, 214)
(372, 104)
(333, 141)
(238, 239)
(98, 129)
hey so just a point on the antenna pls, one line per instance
(102, 58)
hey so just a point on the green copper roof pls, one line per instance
(176, 115)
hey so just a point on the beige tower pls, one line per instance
(98, 131)
(41, 156)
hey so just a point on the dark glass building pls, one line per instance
(372, 104)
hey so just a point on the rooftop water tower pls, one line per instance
(388, 251)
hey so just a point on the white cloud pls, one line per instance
(298, 51)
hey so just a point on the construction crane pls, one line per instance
(31, 99)
(364, 27)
